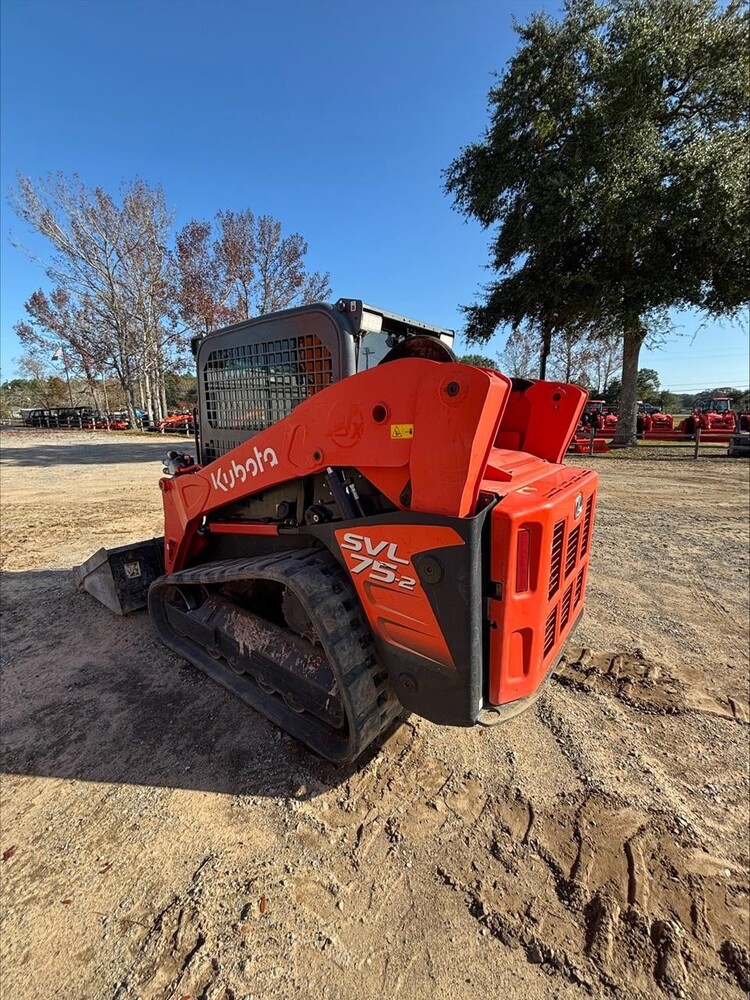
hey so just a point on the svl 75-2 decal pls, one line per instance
(366, 558)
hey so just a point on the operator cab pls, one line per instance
(720, 404)
(252, 374)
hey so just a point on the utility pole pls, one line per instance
(59, 355)
(367, 351)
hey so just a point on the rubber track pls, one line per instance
(367, 697)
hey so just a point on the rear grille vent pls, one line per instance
(550, 628)
(572, 553)
(565, 607)
(587, 526)
(579, 589)
(561, 487)
(568, 562)
(557, 552)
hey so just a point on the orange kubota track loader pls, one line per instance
(369, 527)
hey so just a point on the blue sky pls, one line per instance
(335, 117)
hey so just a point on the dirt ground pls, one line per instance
(161, 841)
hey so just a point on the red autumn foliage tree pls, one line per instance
(111, 257)
(201, 288)
(239, 267)
(57, 321)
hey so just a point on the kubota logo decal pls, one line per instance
(252, 467)
(364, 554)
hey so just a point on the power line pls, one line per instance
(705, 385)
(700, 357)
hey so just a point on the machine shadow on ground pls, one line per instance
(74, 452)
(88, 696)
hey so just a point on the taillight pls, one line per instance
(523, 560)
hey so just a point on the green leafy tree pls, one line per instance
(647, 388)
(669, 402)
(44, 388)
(613, 392)
(614, 170)
(479, 361)
(182, 390)
(648, 385)
(18, 392)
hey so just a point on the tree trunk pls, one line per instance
(163, 395)
(130, 396)
(546, 346)
(150, 407)
(156, 395)
(93, 389)
(106, 398)
(626, 435)
(126, 381)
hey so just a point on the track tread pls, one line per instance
(369, 701)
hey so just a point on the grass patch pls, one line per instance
(667, 451)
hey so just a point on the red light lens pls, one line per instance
(523, 560)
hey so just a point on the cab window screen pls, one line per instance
(253, 386)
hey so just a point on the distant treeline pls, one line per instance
(24, 393)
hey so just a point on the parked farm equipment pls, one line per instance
(182, 422)
(711, 415)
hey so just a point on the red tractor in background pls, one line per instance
(661, 421)
(596, 414)
(105, 422)
(593, 415)
(711, 415)
(182, 422)
(652, 418)
(718, 414)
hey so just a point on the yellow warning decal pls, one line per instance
(399, 431)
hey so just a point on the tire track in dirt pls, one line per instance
(632, 905)
(645, 685)
(606, 894)
(632, 679)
